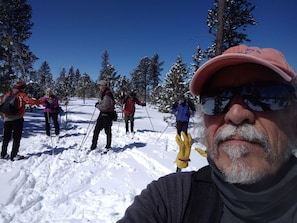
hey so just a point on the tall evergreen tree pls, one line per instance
(123, 87)
(45, 78)
(61, 86)
(16, 58)
(107, 71)
(155, 70)
(236, 18)
(198, 56)
(70, 82)
(140, 78)
(85, 87)
(176, 82)
(76, 79)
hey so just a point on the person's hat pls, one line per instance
(102, 82)
(181, 96)
(268, 57)
(132, 94)
(20, 85)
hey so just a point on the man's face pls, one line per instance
(247, 145)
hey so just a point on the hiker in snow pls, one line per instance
(183, 109)
(51, 111)
(129, 110)
(14, 121)
(248, 105)
(106, 105)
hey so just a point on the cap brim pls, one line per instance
(208, 69)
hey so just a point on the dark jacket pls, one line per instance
(192, 197)
(171, 199)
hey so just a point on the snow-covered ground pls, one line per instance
(59, 182)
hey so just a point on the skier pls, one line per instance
(104, 121)
(129, 110)
(51, 111)
(13, 123)
(183, 109)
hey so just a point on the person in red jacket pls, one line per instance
(129, 110)
(13, 123)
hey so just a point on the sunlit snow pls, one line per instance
(59, 182)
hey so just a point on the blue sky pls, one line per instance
(77, 32)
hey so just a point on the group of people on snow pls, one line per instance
(106, 105)
(14, 122)
(248, 102)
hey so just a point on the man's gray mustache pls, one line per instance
(244, 132)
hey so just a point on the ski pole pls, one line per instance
(162, 133)
(87, 135)
(88, 132)
(149, 118)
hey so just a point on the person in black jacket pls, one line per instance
(248, 102)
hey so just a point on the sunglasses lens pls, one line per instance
(216, 105)
(267, 98)
(257, 98)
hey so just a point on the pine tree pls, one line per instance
(61, 86)
(108, 71)
(85, 87)
(176, 83)
(76, 79)
(140, 78)
(70, 82)
(237, 16)
(198, 56)
(155, 70)
(45, 78)
(123, 87)
(16, 58)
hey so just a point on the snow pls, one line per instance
(59, 182)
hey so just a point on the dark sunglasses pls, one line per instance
(257, 97)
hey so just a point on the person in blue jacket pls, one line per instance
(183, 109)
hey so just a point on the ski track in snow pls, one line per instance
(59, 174)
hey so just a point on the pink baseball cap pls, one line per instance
(268, 57)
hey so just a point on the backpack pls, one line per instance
(10, 105)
